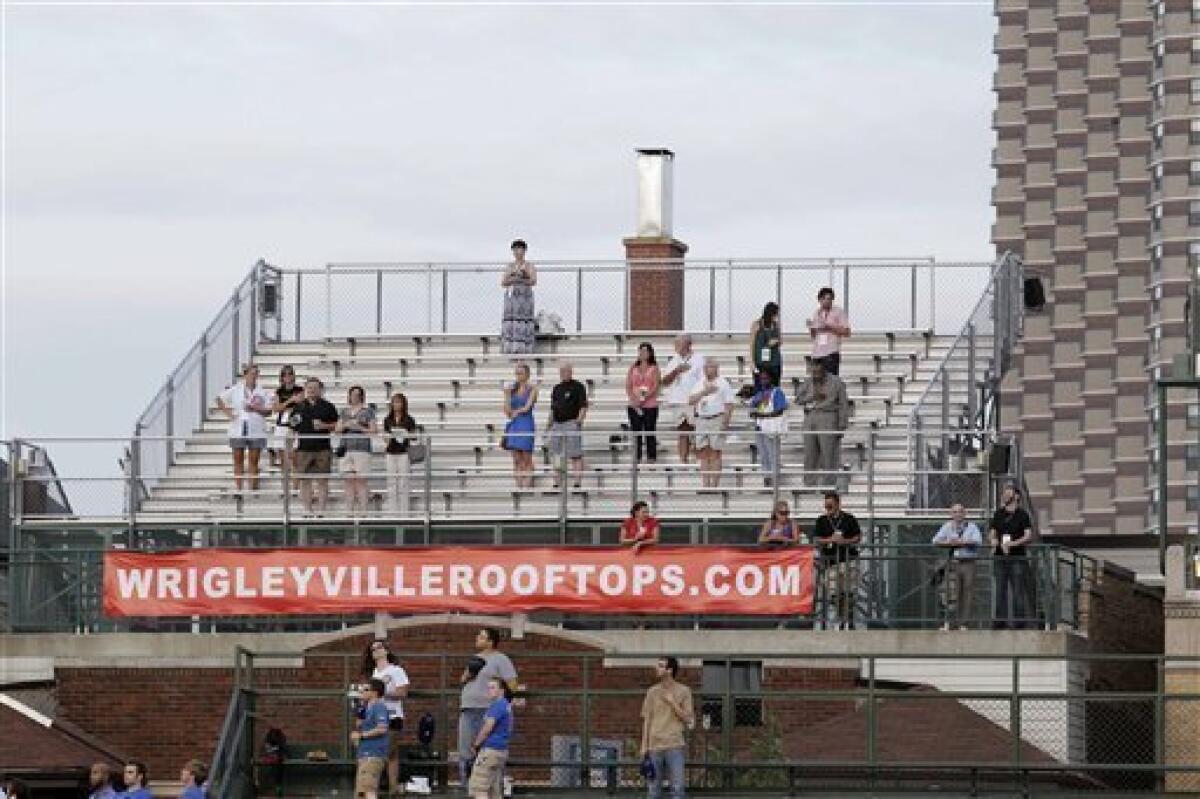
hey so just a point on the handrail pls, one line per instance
(1005, 261)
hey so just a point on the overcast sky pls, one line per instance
(154, 153)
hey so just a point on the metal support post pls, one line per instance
(912, 293)
(328, 301)
(727, 720)
(378, 302)
(712, 298)
(285, 477)
(445, 299)
(429, 298)
(871, 443)
(235, 337)
(170, 412)
(203, 346)
(299, 283)
(131, 488)
(634, 463)
(585, 729)
(729, 295)
(428, 441)
(1014, 710)
(779, 284)
(846, 289)
(972, 383)
(255, 277)
(932, 296)
(579, 300)
(775, 440)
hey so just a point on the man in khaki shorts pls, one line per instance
(371, 738)
(491, 744)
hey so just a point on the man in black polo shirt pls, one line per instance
(568, 407)
(838, 534)
(1009, 533)
(314, 458)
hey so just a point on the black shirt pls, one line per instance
(395, 447)
(283, 394)
(1014, 524)
(827, 526)
(318, 411)
(567, 400)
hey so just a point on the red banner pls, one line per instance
(672, 580)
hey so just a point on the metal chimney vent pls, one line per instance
(654, 171)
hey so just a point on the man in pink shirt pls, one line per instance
(828, 326)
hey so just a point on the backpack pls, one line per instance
(274, 746)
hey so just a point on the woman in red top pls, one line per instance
(641, 387)
(640, 529)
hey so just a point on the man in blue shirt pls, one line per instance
(964, 540)
(491, 744)
(192, 778)
(371, 738)
(135, 782)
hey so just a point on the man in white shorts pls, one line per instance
(685, 368)
(714, 399)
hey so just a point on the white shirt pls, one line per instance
(393, 677)
(246, 423)
(715, 403)
(680, 392)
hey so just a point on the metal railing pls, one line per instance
(899, 585)
(945, 423)
(770, 722)
(272, 304)
(468, 475)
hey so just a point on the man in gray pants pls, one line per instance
(826, 414)
(490, 663)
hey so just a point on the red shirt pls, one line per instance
(630, 533)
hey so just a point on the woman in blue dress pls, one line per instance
(519, 399)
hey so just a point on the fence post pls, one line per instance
(255, 277)
(585, 735)
(634, 463)
(1015, 711)
(203, 376)
(729, 295)
(285, 476)
(1160, 721)
(234, 334)
(779, 284)
(846, 289)
(17, 499)
(428, 441)
(563, 486)
(871, 444)
(932, 297)
(131, 488)
(972, 383)
(299, 283)
(727, 719)
(912, 294)
(625, 298)
(429, 298)
(378, 302)
(579, 299)
(170, 432)
(872, 743)
(445, 299)
(776, 440)
(328, 301)
(712, 298)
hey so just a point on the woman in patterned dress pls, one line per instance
(516, 331)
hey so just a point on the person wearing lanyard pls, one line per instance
(827, 327)
(247, 405)
(641, 387)
(765, 338)
(838, 534)
(963, 539)
(1009, 533)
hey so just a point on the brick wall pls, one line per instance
(168, 715)
(655, 294)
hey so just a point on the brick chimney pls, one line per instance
(653, 256)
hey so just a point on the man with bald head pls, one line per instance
(685, 369)
(962, 539)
